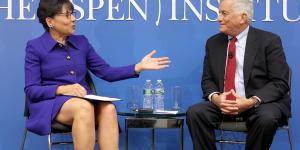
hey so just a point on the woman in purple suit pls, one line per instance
(55, 67)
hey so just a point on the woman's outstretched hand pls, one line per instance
(150, 63)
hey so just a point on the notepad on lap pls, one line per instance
(100, 98)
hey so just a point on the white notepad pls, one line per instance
(100, 98)
(166, 111)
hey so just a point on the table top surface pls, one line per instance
(150, 114)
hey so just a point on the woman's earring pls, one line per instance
(50, 26)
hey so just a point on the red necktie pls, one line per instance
(230, 69)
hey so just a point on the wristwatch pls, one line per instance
(256, 101)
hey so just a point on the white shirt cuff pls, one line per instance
(257, 99)
(210, 95)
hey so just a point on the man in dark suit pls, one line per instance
(245, 74)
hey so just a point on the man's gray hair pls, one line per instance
(244, 6)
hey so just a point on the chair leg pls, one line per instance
(290, 138)
(24, 138)
(49, 142)
(222, 139)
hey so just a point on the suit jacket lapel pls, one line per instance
(250, 54)
(222, 51)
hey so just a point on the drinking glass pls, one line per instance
(176, 97)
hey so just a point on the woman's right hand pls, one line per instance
(71, 90)
(151, 63)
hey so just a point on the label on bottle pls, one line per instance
(159, 91)
(147, 91)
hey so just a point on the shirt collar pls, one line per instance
(50, 43)
(241, 35)
(72, 41)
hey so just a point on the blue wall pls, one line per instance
(126, 42)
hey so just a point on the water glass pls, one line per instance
(135, 94)
(176, 97)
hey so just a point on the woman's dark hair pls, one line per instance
(49, 8)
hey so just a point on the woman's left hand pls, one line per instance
(149, 63)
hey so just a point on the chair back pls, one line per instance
(90, 83)
(290, 82)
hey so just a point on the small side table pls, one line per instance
(153, 121)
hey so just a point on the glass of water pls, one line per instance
(176, 97)
(133, 103)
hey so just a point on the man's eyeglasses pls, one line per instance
(224, 13)
(68, 14)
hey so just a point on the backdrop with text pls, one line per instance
(122, 32)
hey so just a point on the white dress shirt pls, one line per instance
(240, 53)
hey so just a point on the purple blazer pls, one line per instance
(49, 65)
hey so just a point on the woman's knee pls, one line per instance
(84, 109)
(108, 108)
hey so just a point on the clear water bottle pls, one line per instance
(159, 94)
(148, 96)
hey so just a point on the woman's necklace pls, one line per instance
(61, 42)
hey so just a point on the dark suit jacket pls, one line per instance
(266, 72)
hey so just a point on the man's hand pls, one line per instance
(232, 107)
(228, 107)
(71, 90)
(243, 103)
